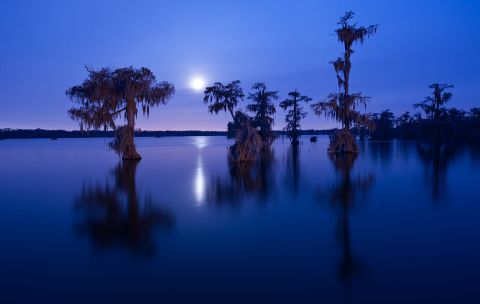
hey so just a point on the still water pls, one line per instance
(395, 224)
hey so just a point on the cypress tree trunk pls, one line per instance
(295, 122)
(343, 141)
(248, 144)
(129, 152)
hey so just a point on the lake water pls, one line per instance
(395, 224)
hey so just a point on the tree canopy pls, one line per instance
(103, 97)
(263, 108)
(220, 97)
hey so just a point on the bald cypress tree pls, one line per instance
(295, 114)
(108, 95)
(342, 106)
(220, 97)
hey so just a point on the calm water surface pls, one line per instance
(395, 224)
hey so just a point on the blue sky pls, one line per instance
(287, 44)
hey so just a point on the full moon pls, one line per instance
(197, 84)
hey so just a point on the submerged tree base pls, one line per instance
(247, 146)
(123, 143)
(342, 142)
(133, 156)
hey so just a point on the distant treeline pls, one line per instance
(450, 125)
(54, 134)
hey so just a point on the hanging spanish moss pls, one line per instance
(341, 106)
(251, 134)
(248, 144)
(108, 94)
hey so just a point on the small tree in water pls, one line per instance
(264, 109)
(294, 114)
(107, 94)
(342, 106)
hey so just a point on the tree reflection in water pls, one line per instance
(436, 158)
(245, 178)
(293, 169)
(113, 215)
(345, 195)
(381, 151)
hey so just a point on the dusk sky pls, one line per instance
(45, 46)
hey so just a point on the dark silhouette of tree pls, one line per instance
(474, 125)
(475, 113)
(220, 97)
(434, 106)
(342, 106)
(109, 93)
(405, 126)
(239, 122)
(383, 126)
(438, 125)
(263, 108)
(295, 114)
(116, 216)
(451, 127)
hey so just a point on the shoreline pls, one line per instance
(57, 134)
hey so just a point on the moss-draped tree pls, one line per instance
(295, 114)
(108, 94)
(342, 106)
(220, 97)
